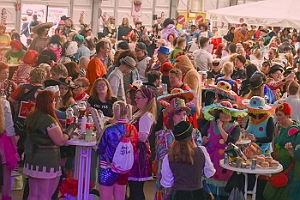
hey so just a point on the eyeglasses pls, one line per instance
(101, 85)
(78, 86)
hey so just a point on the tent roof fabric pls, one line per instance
(282, 13)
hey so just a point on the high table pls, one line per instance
(83, 159)
(257, 171)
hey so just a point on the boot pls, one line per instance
(6, 198)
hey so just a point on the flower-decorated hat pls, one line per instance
(257, 105)
(176, 104)
(226, 107)
(61, 81)
(177, 99)
(224, 89)
(187, 95)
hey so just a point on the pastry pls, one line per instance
(268, 159)
(260, 159)
(274, 163)
(264, 164)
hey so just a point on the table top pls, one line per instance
(243, 142)
(13, 65)
(257, 170)
(81, 143)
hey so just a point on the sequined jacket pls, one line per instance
(111, 137)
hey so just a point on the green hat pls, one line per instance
(182, 130)
(79, 38)
(226, 107)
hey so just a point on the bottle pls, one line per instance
(69, 116)
(225, 159)
(82, 109)
(89, 129)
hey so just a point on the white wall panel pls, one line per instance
(78, 7)
(11, 14)
(48, 2)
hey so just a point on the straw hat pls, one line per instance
(42, 25)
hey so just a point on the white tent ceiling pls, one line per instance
(283, 13)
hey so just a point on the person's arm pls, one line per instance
(167, 177)
(56, 135)
(270, 133)
(9, 124)
(208, 169)
(234, 135)
(204, 133)
(145, 124)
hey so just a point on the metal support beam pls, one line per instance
(18, 17)
(95, 17)
(173, 8)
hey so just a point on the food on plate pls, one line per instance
(274, 163)
(260, 159)
(264, 164)
(268, 159)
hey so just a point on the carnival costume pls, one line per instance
(178, 100)
(216, 145)
(283, 136)
(109, 141)
(38, 144)
(259, 129)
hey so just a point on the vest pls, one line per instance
(188, 177)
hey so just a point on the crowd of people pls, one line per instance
(178, 106)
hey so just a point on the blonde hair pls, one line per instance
(37, 75)
(2, 119)
(121, 110)
(258, 54)
(182, 151)
(228, 68)
(232, 57)
(150, 107)
(60, 69)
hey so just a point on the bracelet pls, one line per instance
(67, 135)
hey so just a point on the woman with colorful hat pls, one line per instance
(285, 138)
(66, 96)
(175, 112)
(276, 81)
(143, 120)
(261, 126)
(183, 171)
(221, 130)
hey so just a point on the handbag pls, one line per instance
(281, 179)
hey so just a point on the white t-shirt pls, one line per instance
(142, 65)
(202, 59)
